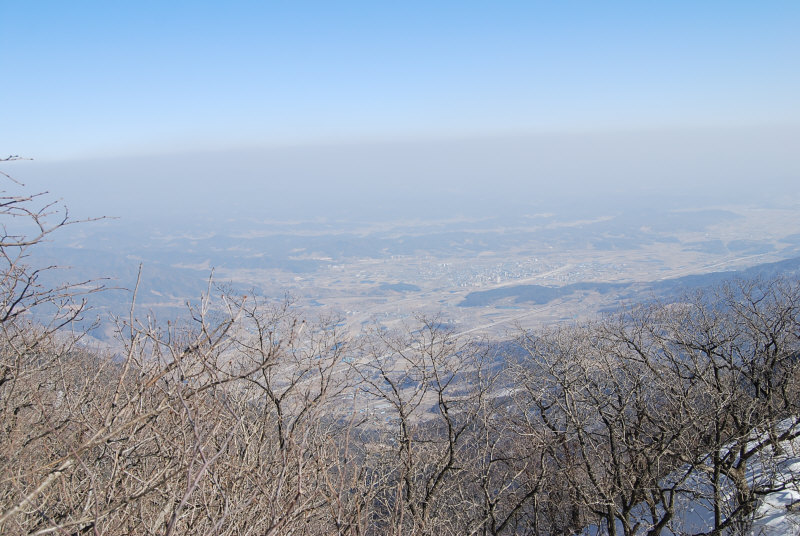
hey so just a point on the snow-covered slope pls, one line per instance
(778, 512)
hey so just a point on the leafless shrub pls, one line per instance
(246, 419)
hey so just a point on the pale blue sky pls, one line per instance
(98, 79)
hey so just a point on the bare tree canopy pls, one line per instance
(245, 418)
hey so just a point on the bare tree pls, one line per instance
(216, 424)
(739, 345)
(669, 404)
(244, 418)
(430, 389)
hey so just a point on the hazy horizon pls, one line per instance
(194, 115)
(364, 96)
(435, 179)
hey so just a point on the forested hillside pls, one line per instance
(245, 417)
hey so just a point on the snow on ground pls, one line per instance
(773, 517)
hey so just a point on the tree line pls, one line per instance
(245, 418)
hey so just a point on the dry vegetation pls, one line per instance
(245, 419)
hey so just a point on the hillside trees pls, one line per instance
(739, 344)
(213, 426)
(667, 405)
(37, 380)
(243, 418)
(216, 424)
(433, 392)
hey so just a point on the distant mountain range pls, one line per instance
(541, 295)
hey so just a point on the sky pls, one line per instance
(113, 84)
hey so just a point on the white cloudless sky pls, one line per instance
(396, 81)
